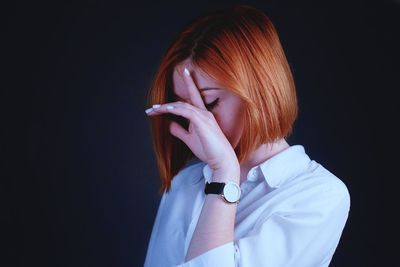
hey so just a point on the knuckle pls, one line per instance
(187, 105)
(192, 113)
(208, 114)
(210, 117)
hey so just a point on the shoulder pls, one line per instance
(328, 180)
(322, 188)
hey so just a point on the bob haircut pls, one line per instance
(240, 48)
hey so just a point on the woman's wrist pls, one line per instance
(229, 173)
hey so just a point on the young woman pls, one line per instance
(224, 96)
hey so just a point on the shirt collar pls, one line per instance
(276, 170)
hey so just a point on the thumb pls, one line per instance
(177, 130)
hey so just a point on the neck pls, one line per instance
(261, 154)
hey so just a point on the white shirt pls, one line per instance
(292, 212)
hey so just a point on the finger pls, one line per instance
(178, 108)
(194, 93)
(167, 107)
(179, 132)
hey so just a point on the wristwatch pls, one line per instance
(230, 191)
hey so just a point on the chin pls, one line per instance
(233, 135)
(234, 141)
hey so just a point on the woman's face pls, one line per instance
(226, 107)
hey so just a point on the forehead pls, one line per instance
(200, 79)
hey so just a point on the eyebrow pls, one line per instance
(201, 89)
(210, 88)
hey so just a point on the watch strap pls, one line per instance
(214, 188)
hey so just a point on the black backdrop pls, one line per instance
(79, 178)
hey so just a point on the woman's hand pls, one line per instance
(204, 137)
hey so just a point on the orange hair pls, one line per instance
(240, 48)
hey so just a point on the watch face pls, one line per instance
(231, 192)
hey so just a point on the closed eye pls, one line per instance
(212, 105)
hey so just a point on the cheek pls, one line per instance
(230, 123)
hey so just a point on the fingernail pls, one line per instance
(170, 107)
(186, 71)
(156, 106)
(149, 110)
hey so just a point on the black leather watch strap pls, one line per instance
(214, 188)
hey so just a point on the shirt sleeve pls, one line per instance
(222, 255)
(306, 235)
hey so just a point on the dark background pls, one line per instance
(79, 178)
